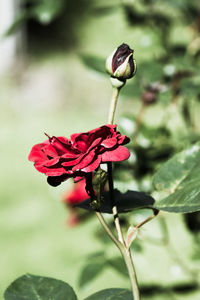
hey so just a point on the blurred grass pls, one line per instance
(57, 95)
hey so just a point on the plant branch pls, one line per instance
(107, 229)
(131, 271)
(114, 206)
(113, 105)
(155, 213)
(126, 255)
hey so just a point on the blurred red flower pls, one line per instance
(77, 194)
(74, 196)
(60, 158)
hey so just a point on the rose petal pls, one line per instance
(94, 144)
(40, 152)
(51, 162)
(123, 140)
(61, 144)
(93, 165)
(85, 161)
(109, 143)
(119, 154)
(71, 162)
(56, 172)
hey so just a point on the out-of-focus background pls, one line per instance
(51, 55)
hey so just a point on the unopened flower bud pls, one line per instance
(120, 64)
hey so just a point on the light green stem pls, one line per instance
(125, 251)
(107, 229)
(113, 105)
(131, 271)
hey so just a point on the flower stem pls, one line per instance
(113, 105)
(120, 243)
(125, 251)
(131, 271)
(107, 229)
(114, 206)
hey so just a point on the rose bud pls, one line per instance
(120, 64)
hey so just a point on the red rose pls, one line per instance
(60, 158)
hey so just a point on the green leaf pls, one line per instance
(125, 202)
(111, 294)
(90, 271)
(171, 173)
(31, 287)
(95, 63)
(187, 196)
(180, 176)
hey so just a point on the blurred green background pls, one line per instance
(49, 89)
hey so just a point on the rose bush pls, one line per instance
(61, 158)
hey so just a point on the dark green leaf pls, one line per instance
(125, 202)
(111, 294)
(186, 198)
(94, 63)
(180, 176)
(170, 174)
(31, 287)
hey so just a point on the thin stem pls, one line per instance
(126, 255)
(155, 213)
(114, 206)
(131, 271)
(128, 240)
(125, 251)
(107, 229)
(113, 105)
